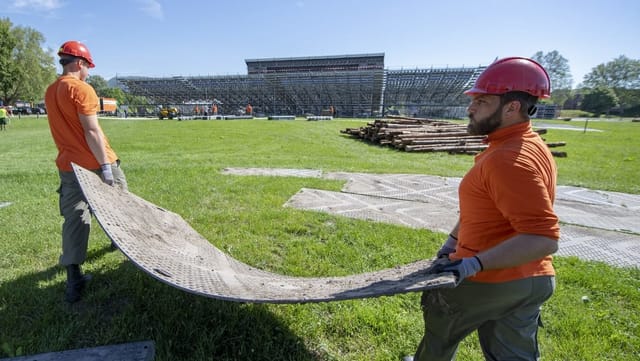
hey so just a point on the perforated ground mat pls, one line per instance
(595, 225)
(163, 245)
(134, 351)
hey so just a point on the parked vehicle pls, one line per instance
(168, 112)
(22, 110)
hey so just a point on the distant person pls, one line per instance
(500, 249)
(249, 110)
(73, 105)
(3, 118)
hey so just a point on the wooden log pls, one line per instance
(443, 134)
(462, 137)
(437, 148)
(426, 135)
(421, 120)
(439, 141)
(408, 126)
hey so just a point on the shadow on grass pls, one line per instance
(123, 304)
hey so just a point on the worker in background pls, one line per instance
(4, 118)
(500, 249)
(72, 107)
(249, 110)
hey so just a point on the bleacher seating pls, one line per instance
(429, 92)
(354, 85)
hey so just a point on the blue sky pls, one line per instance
(208, 37)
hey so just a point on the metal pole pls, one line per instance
(585, 125)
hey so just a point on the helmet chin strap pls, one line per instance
(532, 110)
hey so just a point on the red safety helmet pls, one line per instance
(77, 49)
(513, 74)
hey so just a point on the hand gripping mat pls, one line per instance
(163, 245)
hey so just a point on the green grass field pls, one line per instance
(177, 164)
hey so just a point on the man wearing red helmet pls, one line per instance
(72, 107)
(500, 249)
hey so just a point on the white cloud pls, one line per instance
(152, 8)
(38, 5)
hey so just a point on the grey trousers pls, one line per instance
(77, 215)
(506, 316)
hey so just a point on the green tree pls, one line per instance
(629, 101)
(116, 93)
(599, 100)
(103, 89)
(561, 96)
(557, 67)
(7, 66)
(622, 75)
(621, 72)
(136, 100)
(32, 68)
(137, 104)
(99, 84)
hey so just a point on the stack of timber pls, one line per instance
(426, 135)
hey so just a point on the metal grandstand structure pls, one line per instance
(434, 92)
(351, 85)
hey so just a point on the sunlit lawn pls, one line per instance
(177, 164)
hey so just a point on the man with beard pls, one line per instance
(500, 249)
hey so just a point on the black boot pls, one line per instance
(75, 283)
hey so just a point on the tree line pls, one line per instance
(26, 69)
(610, 88)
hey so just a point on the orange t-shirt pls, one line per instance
(65, 99)
(509, 190)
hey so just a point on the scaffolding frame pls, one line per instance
(352, 85)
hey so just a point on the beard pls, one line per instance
(486, 125)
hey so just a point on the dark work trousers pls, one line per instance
(506, 315)
(77, 216)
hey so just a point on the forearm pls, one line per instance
(454, 230)
(449, 245)
(94, 137)
(518, 250)
(96, 144)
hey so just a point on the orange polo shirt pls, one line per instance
(65, 99)
(509, 190)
